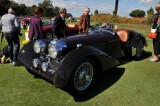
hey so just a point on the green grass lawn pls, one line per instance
(135, 83)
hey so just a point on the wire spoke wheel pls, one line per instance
(139, 48)
(83, 76)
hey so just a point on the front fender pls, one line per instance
(27, 54)
(70, 61)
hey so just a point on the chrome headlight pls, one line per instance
(39, 46)
(36, 63)
(54, 50)
(44, 66)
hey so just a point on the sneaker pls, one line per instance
(14, 63)
(153, 60)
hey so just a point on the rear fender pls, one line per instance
(71, 60)
(142, 37)
(134, 38)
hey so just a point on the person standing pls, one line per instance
(59, 26)
(35, 25)
(10, 29)
(84, 21)
(156, 42)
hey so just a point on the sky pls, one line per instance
(76, 7)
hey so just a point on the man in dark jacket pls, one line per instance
(10, 29)
(59, 26)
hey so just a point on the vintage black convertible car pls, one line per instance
(74, 61)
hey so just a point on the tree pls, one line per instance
(29, 10)
(69, 15)
(22, 9)
(150, 14)
(116, 8)
(95, 12)
(4, 5)
(56, 11)
(137, 13)
(17, 8)
(150, 11)
(47, 7)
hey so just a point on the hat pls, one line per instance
(63, 10)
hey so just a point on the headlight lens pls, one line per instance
(39, 46)
(54, 50)
(36, 62)
(44, 66)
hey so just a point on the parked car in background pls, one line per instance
(47, 28)
(72, 29)
(73, 62)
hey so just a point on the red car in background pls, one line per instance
(72, 29)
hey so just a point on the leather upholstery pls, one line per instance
(123, 35)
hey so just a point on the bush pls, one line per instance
(137, 13)
(111, 19)
(149, 19)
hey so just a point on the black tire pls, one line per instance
(139, 49)
(48, 36)
(82, 77)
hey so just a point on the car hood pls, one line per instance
(90, 39)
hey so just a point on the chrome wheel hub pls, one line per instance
(83, 76)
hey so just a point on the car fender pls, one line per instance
(143, 39)
(70, 61)
(134, 38)
(27, 54)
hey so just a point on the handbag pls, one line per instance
(153, 34)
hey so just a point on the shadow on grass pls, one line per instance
(145, 55)
(126, 60)
(103, 81)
